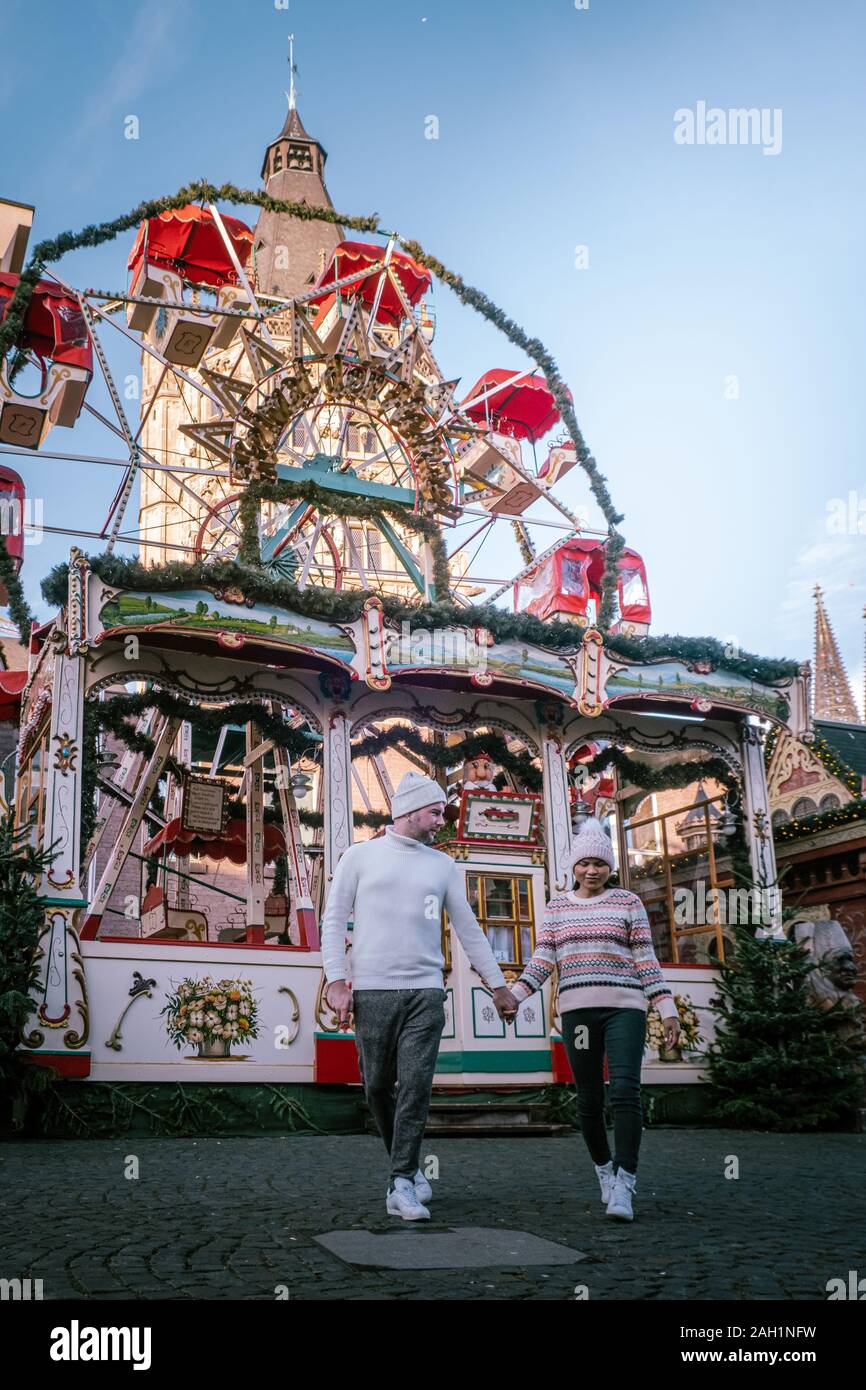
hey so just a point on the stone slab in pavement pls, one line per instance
(461, 1247)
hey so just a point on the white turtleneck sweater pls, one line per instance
(393, 890)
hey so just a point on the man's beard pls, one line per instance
(424, 837)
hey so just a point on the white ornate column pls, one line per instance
(557, 818)
(337, 776)
(255, 834)
(758, 825)
(59, 1027)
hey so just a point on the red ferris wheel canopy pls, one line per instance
(54, 326)
(231, 844)
(524, 408)
(351, 256)
(187, 241)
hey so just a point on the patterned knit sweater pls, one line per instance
(603, 949)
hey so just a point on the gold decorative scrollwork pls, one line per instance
(323, 1010)
(296, 1012)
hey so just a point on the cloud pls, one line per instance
(151, 47)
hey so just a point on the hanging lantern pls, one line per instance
(300, 783)
(179, 248)
(568, 585)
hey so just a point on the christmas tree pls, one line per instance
(21, 918)
(778, 1061)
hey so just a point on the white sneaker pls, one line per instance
(403, 1201)
(620, 1201)
(606, 1180)
(423, 1190)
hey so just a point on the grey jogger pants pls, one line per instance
(397, 1033)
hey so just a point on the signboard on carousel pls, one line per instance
(498, 818)
(205, 806)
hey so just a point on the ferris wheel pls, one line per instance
(320, 402)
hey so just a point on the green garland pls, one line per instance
(346, 607)
(443, 755)
(12, 327)
(89, 774)
(651, 779)
(113, 714)
(677, 775)
(314, 820)
(798, 829)
(18, 609)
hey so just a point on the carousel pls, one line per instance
(207, 725)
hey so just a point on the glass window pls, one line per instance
(524, 902)
(672, 863)
(503, 906)
(472, 893)
(499, 897)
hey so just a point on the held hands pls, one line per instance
(671, 1029)
(338, 996)
(505, 1003)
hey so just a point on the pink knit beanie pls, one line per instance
(591, 842)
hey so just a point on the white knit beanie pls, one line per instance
(415, 791)
(591, 842)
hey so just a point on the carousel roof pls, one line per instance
(847, 740)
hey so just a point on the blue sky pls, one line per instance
(556, 125)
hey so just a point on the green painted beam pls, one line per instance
(320, 470)
(405, 556)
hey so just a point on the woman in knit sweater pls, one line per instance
(600, 941)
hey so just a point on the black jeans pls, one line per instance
(621, 1033)
(397, 1033)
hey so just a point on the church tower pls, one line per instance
(288, 256)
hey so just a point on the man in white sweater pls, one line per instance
(393, 889)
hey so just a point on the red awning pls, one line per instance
(12, 684)
(231, 844)
(187, 240)
(54, 326)
(525, 409)
(350, 256)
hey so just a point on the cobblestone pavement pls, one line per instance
(236, 1217)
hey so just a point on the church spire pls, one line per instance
(290, 254)
(833, 698)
